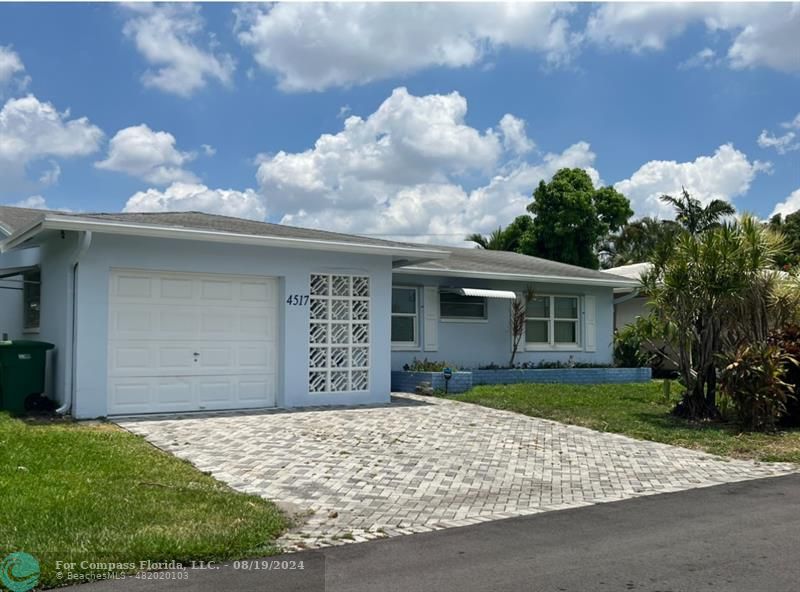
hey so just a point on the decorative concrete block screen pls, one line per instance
(338, 336)
(464, 380)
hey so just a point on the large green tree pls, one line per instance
(790, 227)
(638, 241)
(571, 217)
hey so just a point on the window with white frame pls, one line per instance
(404, 316)
(552, 321)
(454, 306)
(339, 323)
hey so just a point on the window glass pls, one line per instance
(566, 308)
(453, 305)
(403, 329)
(539, 307)
(565, 332)
(31, 290)
(404, 300)
(537, 331)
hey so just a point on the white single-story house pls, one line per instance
(186, 311)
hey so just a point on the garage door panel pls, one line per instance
(158, 322)
(216, 290)
(176, 289)
(133, 286)
(131, 321)
(253, 390)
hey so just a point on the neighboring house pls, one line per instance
(629, 303)
(174, 312)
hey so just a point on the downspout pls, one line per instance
(627, 297)
(69, 395)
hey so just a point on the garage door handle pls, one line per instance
(195, 354)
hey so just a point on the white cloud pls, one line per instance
(168, 36)
(34, 202)
(31, 130)
(10, 65)
(149, 155)
(788, 206)
(208, 149)
(724, 175)
(763, 34)
(197, 197)
(318, 46)
(782, 144)
(514, 137)
(51, 175)
(409, 171)
(705, 58)
(793, 124)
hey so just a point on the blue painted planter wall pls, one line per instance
(406, 382)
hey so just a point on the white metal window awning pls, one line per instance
(504, 294)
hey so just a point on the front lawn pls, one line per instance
(77, 492)
(636, 410)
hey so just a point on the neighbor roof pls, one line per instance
(484, 263)
(632, 271)
(22, 224)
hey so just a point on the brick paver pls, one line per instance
(422, 463)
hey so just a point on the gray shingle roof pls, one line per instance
(18, 218)
(503, 262)
(460, 259)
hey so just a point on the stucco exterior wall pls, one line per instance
(471, 344)
(628, 311)
(292, 266)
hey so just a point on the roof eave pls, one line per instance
(554, 279)
(156, 231)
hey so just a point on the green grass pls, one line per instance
(636, 410)
(77, 492)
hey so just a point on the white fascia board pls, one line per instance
(154, 231)
(520, 277)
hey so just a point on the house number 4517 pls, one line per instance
(297, 300)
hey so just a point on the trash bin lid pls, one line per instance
(26, 344)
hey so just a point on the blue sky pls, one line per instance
(395, 120)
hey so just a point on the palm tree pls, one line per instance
(639, 241)
(709, 291)
(496, 241)
(693, 216)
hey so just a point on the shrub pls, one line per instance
(427, 366)
(787, 340)
(753, 378)
(628, 350)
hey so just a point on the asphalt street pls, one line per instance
(735, 537)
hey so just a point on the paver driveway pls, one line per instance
(422, 463)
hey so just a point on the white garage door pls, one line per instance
(189, 342)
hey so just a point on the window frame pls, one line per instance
(406, 345)
(551, 343)
(27, 285)
(446, 319)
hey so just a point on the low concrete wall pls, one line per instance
(406, 382)
(562, 375)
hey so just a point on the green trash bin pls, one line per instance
(22, 372)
